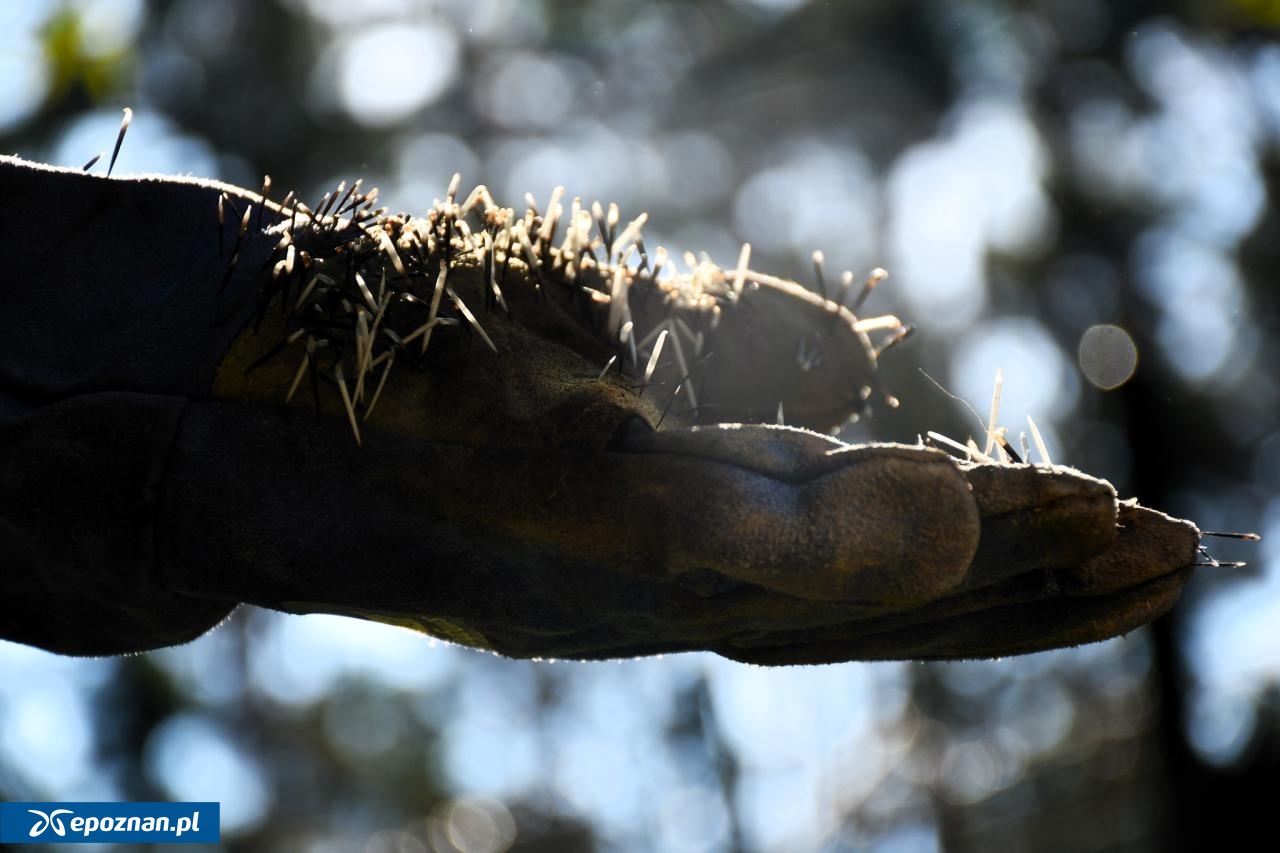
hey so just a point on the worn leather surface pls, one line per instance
(512, 501)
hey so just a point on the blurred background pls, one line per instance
(1053, 184)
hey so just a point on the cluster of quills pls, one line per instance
(362, 292)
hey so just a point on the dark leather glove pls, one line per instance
(503, 493)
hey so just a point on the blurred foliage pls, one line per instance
(791, 124)
(93, 76)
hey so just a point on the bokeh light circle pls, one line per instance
(1108, 356)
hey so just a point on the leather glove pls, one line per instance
(494, 488)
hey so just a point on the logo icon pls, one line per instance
(49, 820)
